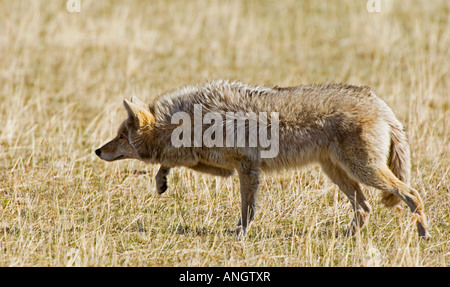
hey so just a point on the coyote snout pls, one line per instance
(118, 148)
(348, 130)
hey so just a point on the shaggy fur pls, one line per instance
(348, 130)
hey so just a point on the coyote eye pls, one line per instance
(121, 137)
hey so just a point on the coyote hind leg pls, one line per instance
(354, 193)
(386, 181)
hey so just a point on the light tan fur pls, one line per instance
(351, 132)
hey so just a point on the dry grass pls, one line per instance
(62, 80)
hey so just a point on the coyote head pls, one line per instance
(129, 136)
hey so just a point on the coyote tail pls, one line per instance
(399, 160)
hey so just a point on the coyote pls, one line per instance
(348, 130)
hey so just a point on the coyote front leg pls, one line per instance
(161, 179)
(249, 182)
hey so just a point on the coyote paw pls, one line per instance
(161, 187)
(239, 231)
(161, 179)
(351, 231)
(425, 236)
(423, 232)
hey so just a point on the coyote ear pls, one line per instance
(138, 114)
(136, 100)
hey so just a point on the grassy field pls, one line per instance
(63, 77)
